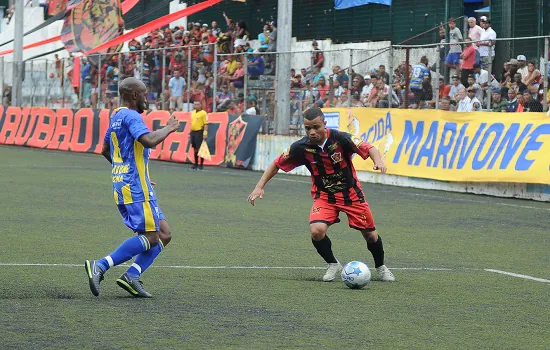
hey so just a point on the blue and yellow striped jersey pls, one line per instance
(130, 170)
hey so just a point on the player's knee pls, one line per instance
(370, 236)
(153, 238)
(318, 231)
(165, 236)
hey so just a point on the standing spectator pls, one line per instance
(382, 74)
(87, 92)
(474, 31)
(512, 101)
(216, 31)
(199, 132)
(85, 68)
(242, 31)
(263, 39)
(499, 104)
(453, 57)
(420, 74)
(272, 47)
(468, 61)
(317, 57)
(487, 45)
(257, 66)
(531, 104)
(177, 84)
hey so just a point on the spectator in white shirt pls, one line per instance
(176, 84)
(475, 103)
(522, 66)
(456, 86)
(487, 43)
(366, 88)
(463, 104)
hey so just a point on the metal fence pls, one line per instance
(244, 82)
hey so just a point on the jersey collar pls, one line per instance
(325, 142)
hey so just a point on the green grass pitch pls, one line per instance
(57, 208)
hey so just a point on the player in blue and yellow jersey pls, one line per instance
(127, 146)
(419, 76)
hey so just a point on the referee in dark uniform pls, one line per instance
(199, 131)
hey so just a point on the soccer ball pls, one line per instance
(356, 274)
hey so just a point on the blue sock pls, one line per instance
(144, 260)
(129, 248)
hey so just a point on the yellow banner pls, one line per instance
(451, 146)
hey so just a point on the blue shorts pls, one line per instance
(453, 58)
(141, 216)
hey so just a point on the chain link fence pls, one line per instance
(237, 79)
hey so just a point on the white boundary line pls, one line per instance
(235, 267)
(527, 277)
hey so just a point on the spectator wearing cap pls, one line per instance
(455, 37)
(530, 104)
(203, 29)
(367, 88)
(522, 66)
(176, 85)
(263, 39)
(257, 66)
(475, 87)
(512, 101)
(468, 60)
(487, 43)
(317, 57)
(498, 104)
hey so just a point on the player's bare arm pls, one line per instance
(378, 162)
(154, 138)
(259, 189)
(106, 151)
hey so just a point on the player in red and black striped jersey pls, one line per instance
(335, 187)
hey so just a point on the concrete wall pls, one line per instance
(269, 147)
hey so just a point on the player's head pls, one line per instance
(197, 105)
(315, 125)
(132, 92)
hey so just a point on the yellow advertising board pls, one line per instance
(451, 146)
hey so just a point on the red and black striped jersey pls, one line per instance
(332, 173)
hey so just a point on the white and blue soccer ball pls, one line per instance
(356, 274)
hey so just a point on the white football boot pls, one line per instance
(385, 274)
(332, 271)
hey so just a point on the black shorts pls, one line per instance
(418, 95)
(196, 139)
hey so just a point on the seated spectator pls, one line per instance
(342, 78)
(463, 101)
(456, 86)
(233, 109)
(522, 68)
(498, 104)
(252, 109)
(517, 84)
(365, 92)
(531, 104)
(337, 90)
(316, 72)
(237, 79)
(533, 75)
(445, 104)
(521, 103)
(444, 90)
(322, 89)
(342, 101)
(512, 101)
(223, 98)
(475, 103)
(257, 66)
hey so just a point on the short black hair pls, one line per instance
(476, 66)
(313, 112)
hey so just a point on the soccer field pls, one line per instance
(237, 276)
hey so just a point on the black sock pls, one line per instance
(202, 161)
(324, 248)
(377, 251)
(196, 157)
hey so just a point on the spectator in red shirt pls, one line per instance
(468, 57)
(444, 90)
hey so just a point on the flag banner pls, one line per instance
(56, 6)
(242, 132)
(90, 23)
(452, 146)
(155, 24)
(345, 4)
(126, 6)
(82, 130)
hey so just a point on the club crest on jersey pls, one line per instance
(357, 141)
(286, 153)
(311, 150)
(333, 146)
(336, 157)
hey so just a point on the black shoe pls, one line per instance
(133, 286)
(95, 275)
(194, 167)
(201, 167)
